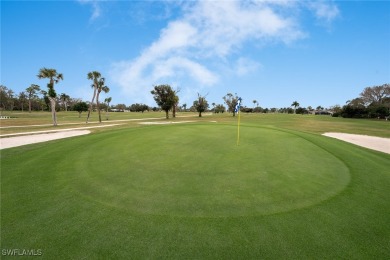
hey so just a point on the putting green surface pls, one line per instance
(198, 170)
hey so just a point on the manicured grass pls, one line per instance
(188, 191)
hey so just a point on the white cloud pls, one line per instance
(212, 31)
(326, 11)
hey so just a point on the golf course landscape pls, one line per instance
(185, 188)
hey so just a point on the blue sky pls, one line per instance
(316, 52)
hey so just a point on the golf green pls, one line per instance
(198, 170)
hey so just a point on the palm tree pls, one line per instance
(101, 87)
(108, 101)
(176, 102)
(54, 77)
(11, 99)
(65, 98)
(254, 103)
(22, 99)
(31, 93)
(295, 104)
(94, 76)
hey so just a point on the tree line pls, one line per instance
(373, 102)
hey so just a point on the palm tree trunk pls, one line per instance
(91, 105)
(108, 105)
(98, 108)
(53, 110)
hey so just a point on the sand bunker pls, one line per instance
(38, 138)
(372, 142)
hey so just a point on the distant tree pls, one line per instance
(213, 109)
(108, 101)
(301, 110)
(176, 102)
(10, 99)
(356, 103)
(54, 77)
(201, 104)
(64, 100)
(375, 94)
(121, 107)
(138, 108)
(22, 97)
(164, 97)
(295, 104)
(3, 97)
(105, 89)
(46, 101)
(258, 110)
(184, 107)
(80, 107)
(95, 77)
(219, 109)
(246, 109)
(32, 93)
(254, 103)
(231, 101)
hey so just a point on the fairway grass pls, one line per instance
(188, 191)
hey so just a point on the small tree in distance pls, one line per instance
(231, 101)
(164, 97)
(219, 109)
(295, 104)
(101, 87)
(31, 93)
(80, 107)
(201, 104)
(108, 101)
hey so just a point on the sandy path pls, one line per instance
(372, 142)
(42, 136)
(58, 130)
(38, 138)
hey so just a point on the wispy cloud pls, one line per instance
(325, 11)
(96, 9)
(211, 31)
(246, 66)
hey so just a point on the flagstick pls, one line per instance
(238, 128)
